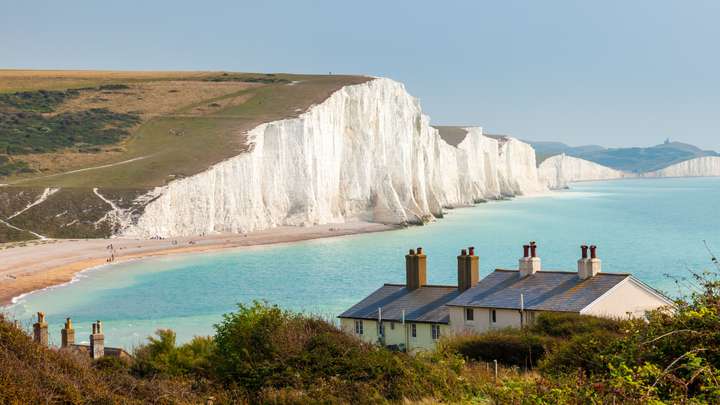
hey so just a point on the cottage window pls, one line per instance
(469, 314)
(436, 332)
(381, 329)
(413, 330)
(392, 325)
(358, 327)
(493, 315)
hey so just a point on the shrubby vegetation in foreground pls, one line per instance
(262, 354)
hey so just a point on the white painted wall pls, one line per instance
(628, 297)
(482, 320)
(396, 335)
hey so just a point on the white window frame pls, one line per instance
(413, 330)
(359, 327)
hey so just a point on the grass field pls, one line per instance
(152, 128)
(190, 121)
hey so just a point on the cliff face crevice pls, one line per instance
(366, 153)
(561, 170)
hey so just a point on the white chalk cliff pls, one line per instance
(365, 153)
(706, 166)
(561, 170)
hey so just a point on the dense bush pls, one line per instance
(161, 356)
(266, 79)
(41, 101)
(509, 347)
(24, 132)
(265, 350)
(113, 87)
(567, 324)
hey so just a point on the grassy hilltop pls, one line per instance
(125, 133)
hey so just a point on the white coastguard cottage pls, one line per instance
(415, 315)
(512, 298)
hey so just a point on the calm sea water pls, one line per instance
(647, 227)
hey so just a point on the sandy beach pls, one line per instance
(30, 266)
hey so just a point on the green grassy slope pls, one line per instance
(190, 122)
(181, 144)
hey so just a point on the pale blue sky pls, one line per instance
(615, 73)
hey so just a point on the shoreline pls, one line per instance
(28, 267)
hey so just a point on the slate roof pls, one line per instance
(544, 291)
(425, 304)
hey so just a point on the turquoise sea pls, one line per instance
(651, 227)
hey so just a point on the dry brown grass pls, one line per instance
(27, 80)
(150, 99)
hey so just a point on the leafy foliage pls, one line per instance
(23, 133)
(264, 349)
(510, 347)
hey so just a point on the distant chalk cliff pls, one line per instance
(699, 167)
(561, 170)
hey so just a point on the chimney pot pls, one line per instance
(584, 249)
(468, 268)
(40, 330)
(526, 250)
(97, 341)
(533, 249)
(411, 252)
(67, 334)
(415, 269)
(593, 252)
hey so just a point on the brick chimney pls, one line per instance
(97, 341)
(468, 269)
(415, 269)
(67, 334)
(40, 330)
(530, 263)
(588, 266)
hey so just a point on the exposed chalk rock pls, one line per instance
(561, 170)
(707, 166)
(365, 153)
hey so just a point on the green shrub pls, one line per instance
(161, 356)
(25, 132)
(113, 87)
(278, 356)
(565, 325)
(509, 347)
(41, 101)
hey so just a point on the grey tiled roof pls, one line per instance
(544, 290)
(426, 304)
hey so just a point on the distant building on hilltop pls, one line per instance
(415, 315)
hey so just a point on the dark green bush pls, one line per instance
(24, 132)
(565, 324)
(509, 347)
(161, 356)
(274, 354)
(113, 87)
(41, 101)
